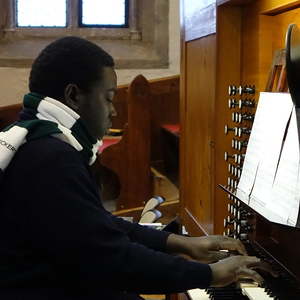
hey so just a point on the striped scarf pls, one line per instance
(48, 117)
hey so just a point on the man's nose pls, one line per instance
(113, 111)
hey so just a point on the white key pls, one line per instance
(197, 294)
(256, 293)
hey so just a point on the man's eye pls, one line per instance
(110, 95)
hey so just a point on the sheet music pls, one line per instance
(243, 196)
(271, 172)
(284, 189)
(294, 215)
(265, 142)
(252, 157)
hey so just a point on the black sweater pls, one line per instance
(58, 242)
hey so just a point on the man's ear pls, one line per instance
(72, 96)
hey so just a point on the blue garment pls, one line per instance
(58, 242)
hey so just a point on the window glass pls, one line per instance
(41, 13)
(103, 12)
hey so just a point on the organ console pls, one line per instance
(232, 103)
(239, 145)
(239, 118)
(239, 131)
(246, 103)
(251, 228)
(240, 90)
(228, 221)
(234, 170)
(227, 129)
(251, 30)
(234, 90)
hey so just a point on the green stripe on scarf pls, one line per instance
(36, 129)
(32, 100)
(42, 111)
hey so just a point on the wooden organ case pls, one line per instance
(227, 44)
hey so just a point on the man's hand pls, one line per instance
(236, 268)
(205, 249)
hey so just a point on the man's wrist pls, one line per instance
(177, 244)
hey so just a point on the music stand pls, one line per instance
(293, 62)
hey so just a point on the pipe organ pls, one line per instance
(227, 61)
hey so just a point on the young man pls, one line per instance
(57, 240)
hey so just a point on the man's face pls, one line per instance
(96, 109)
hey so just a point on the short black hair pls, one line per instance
(64, 61)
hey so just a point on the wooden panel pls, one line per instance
(277, 6)
(164, 110)
(130, 158)
(164, 106)
(282, 21)
(265, 6)
(192, 225)
(200, 18)
(198, 127)
(9, 114)
(120, 104)
(262, 36)
(228, 73)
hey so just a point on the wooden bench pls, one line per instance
(130, 158)
(156, 103)
(9, 114)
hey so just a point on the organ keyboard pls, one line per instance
(284, 287)
(276, 244)
(252, 293)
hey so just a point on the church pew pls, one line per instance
(164, 108)
(134, 183)
(129, 159)
(9, 114)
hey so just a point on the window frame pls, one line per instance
(131, 32)
(82, 25)
(15, 11)
(144, 45)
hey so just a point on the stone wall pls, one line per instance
(13, 81)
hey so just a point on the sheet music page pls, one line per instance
(252, 157)
(243, 196)
(294, 214)
(276, 113)
(272, 115)
(271, 171)
(283, 198)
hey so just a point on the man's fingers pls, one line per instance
(267, 267)
(232, 245)
(249, 274)
(217, 255)
(241, 248)
(252, 262)
(256, 263)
